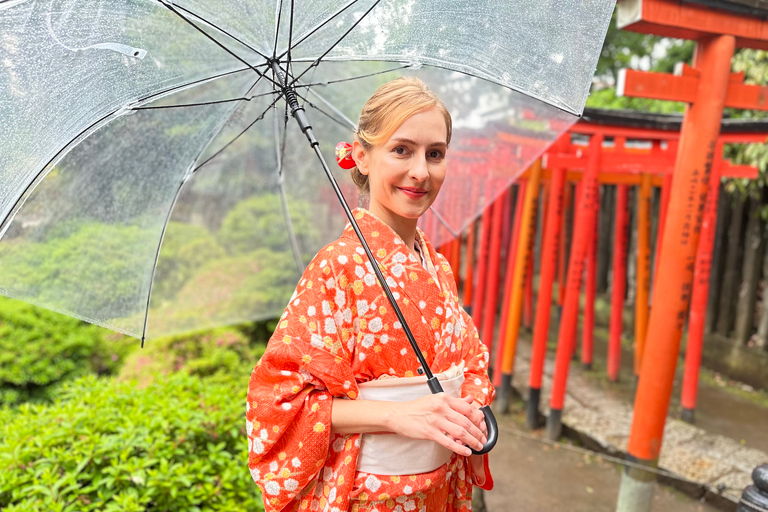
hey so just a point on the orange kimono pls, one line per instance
(339, 330)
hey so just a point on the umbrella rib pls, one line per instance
(280, 152)
(345, 121)
(231, 36)
(289, 65)
(206, 103)
(215, 41)
(354, 25)
(277, 27)
(176, 196)
(104, 119)
(318, 27)
(444, 222)
(329, 82)
(217, 153)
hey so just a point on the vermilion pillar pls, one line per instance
(585, 221)
(563, 252)
(699, 298)
(618, 282)
(491, 301)
(643, 267)
(509, 274)
(469, 260)
(518, 284)
(549, 259)
(701, 126)
(482, 262)
(666, 188)
(590, 291)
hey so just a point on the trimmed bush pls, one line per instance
(40, 349)
(222, 352)
(107, 445)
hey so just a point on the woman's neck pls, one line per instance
(405, 228)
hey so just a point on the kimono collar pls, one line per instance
(389, 248)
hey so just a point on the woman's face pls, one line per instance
(406, 172)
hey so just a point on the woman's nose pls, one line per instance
(419, 169)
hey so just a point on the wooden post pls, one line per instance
(643, 267)
(590, 289)
(565, 341)
(508, 279)
(549, 260)
(468, 267)
(482, 261)
(700, 130)
(492, 287)
(518, 285)
(619, 282)
(699, 299)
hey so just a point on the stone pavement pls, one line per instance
(719, 466)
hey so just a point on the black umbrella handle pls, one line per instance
(490, 420)
(493, 431)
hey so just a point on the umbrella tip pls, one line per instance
(142, 342)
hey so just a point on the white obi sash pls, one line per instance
(393, 454)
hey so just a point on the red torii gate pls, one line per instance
(624, 166)
(719, 27)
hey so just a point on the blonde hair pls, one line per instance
(387, 109)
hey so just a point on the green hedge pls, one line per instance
(40, 350)
(177, 445)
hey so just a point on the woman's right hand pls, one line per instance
(455, 423)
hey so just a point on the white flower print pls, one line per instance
(372, 483)
(272, 487)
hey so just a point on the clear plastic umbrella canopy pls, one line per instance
(152, 182)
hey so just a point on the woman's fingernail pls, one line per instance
(485, 439)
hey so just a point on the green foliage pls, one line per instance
(606, 98)
(754, 65)
(228, 290)
(222, 353)
(626, 49)
(53, 272)
(177, 445)
(258, 222)
(186, 248)
(40, 350)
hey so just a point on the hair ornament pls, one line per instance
(344, 155)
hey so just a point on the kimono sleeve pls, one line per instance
(475, 354)
(288, 410)
(476, 357)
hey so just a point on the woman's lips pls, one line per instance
(413, 193)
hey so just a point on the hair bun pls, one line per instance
(344, 155)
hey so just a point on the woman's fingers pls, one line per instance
(455, 423)
(462, 433)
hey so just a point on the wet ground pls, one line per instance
(723, 407)
(530, 475)
(533, 476)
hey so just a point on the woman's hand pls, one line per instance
(455, 423)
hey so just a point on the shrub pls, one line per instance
(107, 445)
(221, 352)
(40, 349)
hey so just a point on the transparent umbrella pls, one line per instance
(152, 180)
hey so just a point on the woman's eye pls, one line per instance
(400, 150)
(435, 154)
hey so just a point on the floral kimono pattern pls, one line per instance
(339, 330)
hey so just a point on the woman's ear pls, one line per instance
(359, 156)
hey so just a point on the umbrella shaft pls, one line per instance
(298, 113)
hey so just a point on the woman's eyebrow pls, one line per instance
(414, 143)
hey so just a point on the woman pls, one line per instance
(305, 419)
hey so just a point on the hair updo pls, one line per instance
(387, 109)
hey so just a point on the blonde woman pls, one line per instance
(338, 417)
